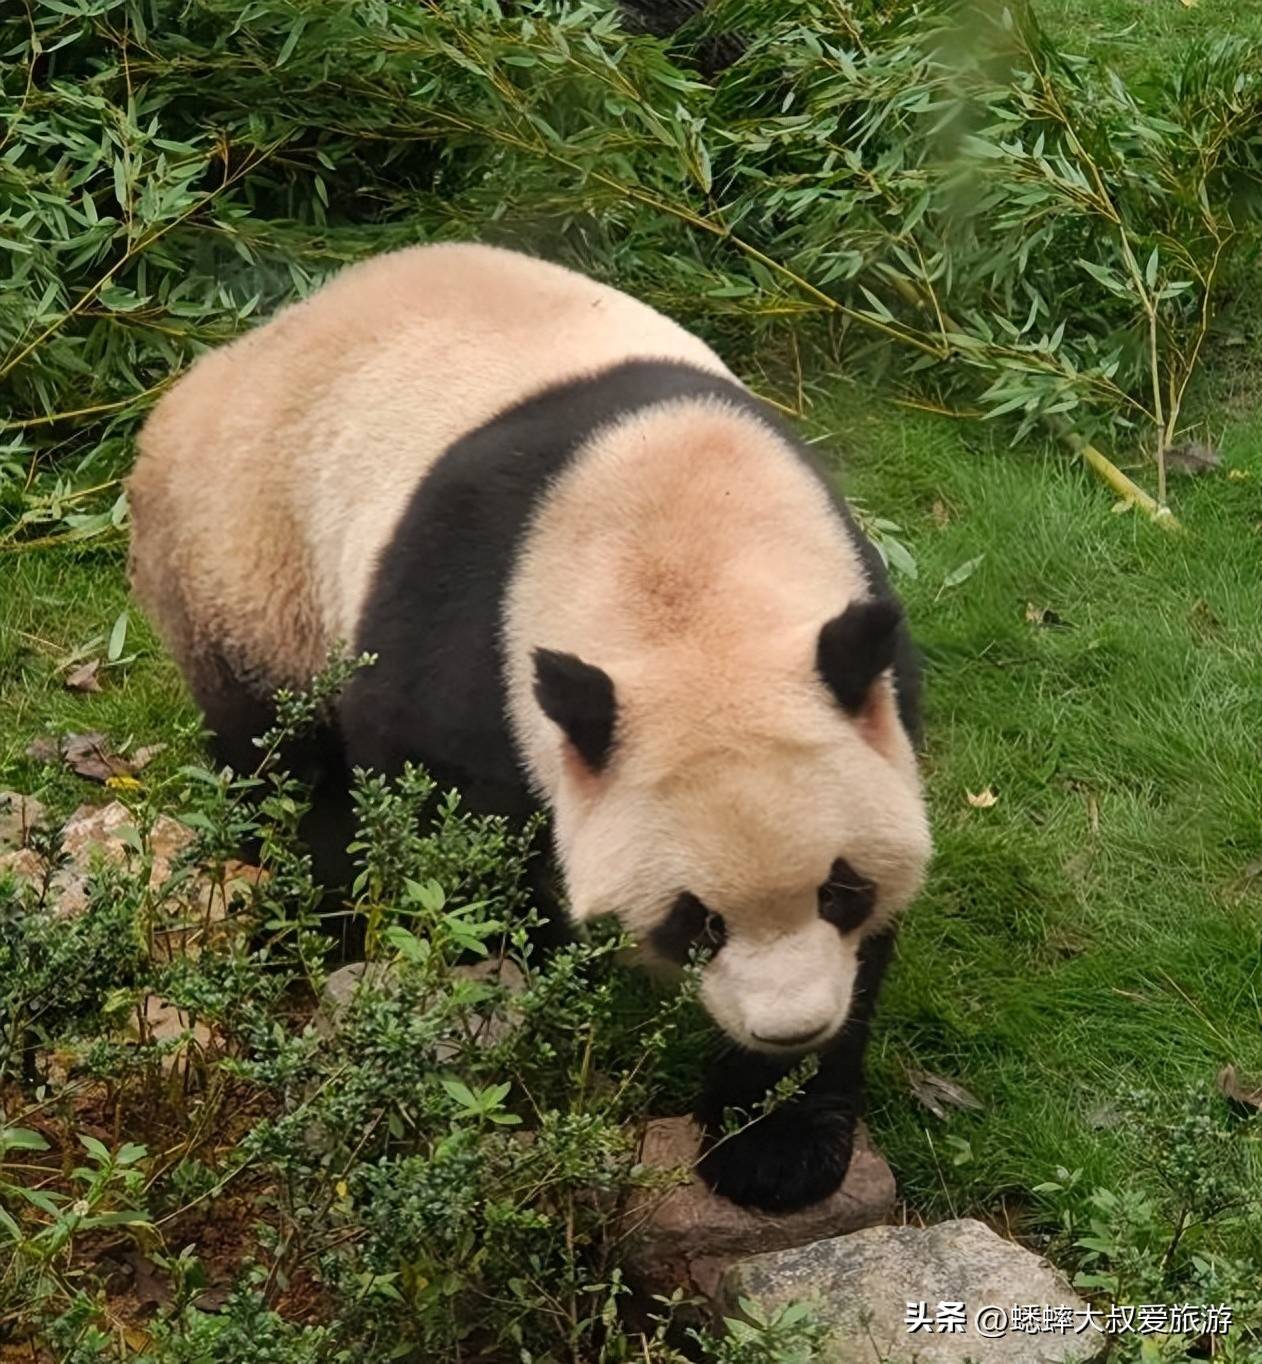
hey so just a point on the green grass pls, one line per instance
(54, 603)
(1090, 931)
(1143, 36)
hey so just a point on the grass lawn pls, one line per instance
(1098, 928)
(1141, 35)
(1095, 928)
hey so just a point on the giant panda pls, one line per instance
(600, 577)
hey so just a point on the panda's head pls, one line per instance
(760, 803)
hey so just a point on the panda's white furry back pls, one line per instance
(598, 575)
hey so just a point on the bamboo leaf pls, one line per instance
(118, 638)
(964, 572)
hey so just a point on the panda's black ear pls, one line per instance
(580, 699)
(856, 647)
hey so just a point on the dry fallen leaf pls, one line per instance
(983, 800)
(147, 1284)
(144, 755)
(91, 756)
(84, 678)
(1246, 1093)
(938, 1094)
(941, 515)
(1239, 475)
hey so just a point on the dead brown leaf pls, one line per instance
(938, 1094)
(941, 514)
(93, 756)
(84, 678)
(90, 755)
(144, 755)
(1246, 1093)
(983, 800)
(147, 1283)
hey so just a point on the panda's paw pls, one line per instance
(785, 1161)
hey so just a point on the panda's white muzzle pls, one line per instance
(781, 994)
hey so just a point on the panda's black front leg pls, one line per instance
(798, 1152)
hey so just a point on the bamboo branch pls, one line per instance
(1097, 461)
(1118, 481)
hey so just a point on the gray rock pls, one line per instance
(92, 833)
(687, 1235)
(24, 864)
(860, 1287)
(486, 1029)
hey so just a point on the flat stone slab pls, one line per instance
(687, 1236)
(868, 1287)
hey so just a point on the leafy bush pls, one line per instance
(917, 184)
(432, 1166)
(1161, 1239)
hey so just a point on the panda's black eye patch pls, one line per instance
(846, 899)
(687, 927)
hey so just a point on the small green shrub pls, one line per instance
(1160, 1239)
(431, 1170)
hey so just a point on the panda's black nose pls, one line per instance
(792, 1039)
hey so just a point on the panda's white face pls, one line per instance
(700, 684)
(776, 858)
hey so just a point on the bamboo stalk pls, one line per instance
(1118, 481)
